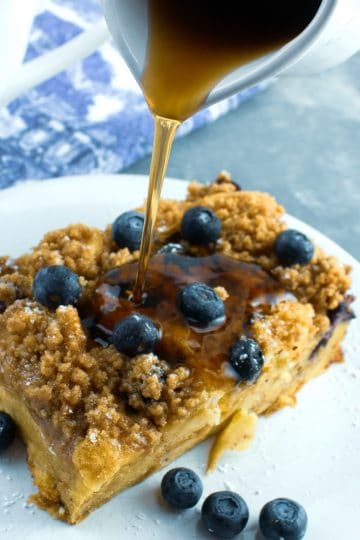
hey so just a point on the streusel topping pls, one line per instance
(75, 390)
(84, 392)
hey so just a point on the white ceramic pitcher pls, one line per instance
(332, 37)
(16, 17)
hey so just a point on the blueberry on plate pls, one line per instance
(7, 431)
(293, 247)
(200, 226)
(201, 305)
(181, 488)
(283, 519)
(127, 230)
(225, 514)
(247, 359)
(135, 334)
(56, 286)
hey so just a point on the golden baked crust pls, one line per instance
(97, 411)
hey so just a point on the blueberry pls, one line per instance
(283, 519)
(181, 488)
(200, 305)
(127, 230)
(172, 248)
(247, 359)
(200, 226)
(225, 513)
(135, 334)
(7, 431)
(293, 247)
(56, 286)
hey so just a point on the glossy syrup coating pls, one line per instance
(248, 287)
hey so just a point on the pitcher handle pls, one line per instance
(49, 64)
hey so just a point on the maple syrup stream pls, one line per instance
(192, 45)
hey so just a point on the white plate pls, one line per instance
(310, 453)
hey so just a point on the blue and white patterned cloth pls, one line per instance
(91, 118)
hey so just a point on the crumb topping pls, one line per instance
(287, 330)
(44, 357)
(92, 396)
(155, 390)
(251, 222)
(323, 282)
(222, 293)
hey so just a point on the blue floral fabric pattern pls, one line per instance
(84, 120)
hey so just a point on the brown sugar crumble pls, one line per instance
(55, 343)
(88, 395)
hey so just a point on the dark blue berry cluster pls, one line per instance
(7, 431)
(201, 305)
(135, 334)
(199, 226)
(56, 286)
(127, 230)
(293, 247)
(181, 488)
(247, 359)
(225, 514)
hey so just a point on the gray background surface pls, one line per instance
(300, 140)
